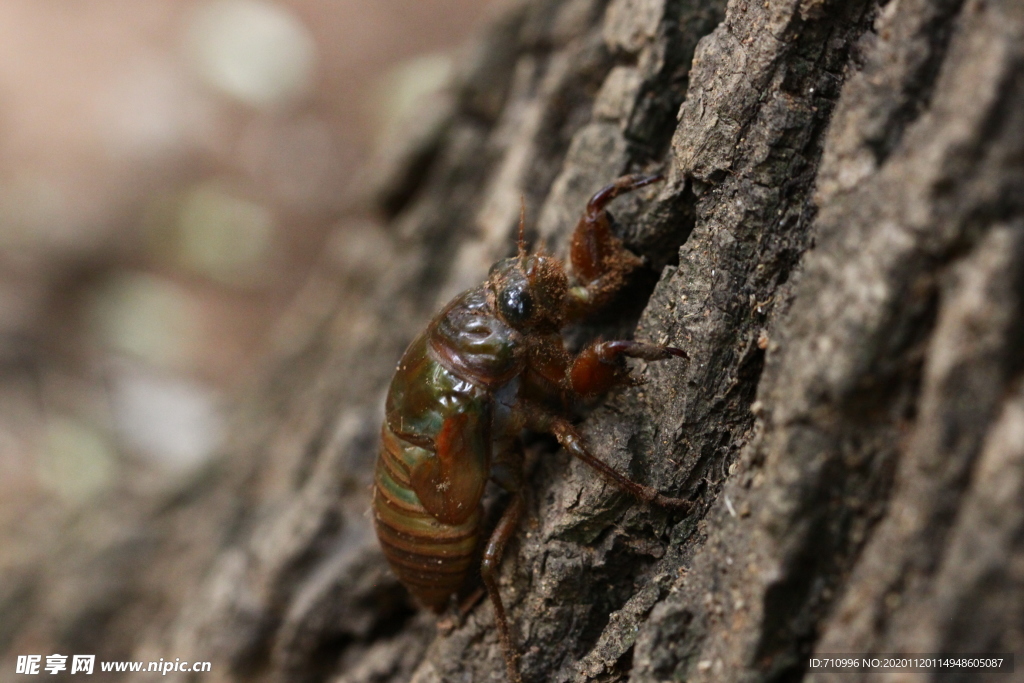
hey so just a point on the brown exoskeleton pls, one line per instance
(489, 365)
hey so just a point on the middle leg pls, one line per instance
(599, 367)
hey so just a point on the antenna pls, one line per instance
(522, 227)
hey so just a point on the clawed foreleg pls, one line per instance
(600, 263)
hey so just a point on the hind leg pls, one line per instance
(572, 441)
(493, 553)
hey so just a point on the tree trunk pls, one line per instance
(839, 248)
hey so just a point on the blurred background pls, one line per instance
(170, 172)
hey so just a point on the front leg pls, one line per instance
(600, 263)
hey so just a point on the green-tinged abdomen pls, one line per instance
(430, 558)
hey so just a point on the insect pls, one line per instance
(489, 365)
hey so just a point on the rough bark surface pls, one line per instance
(840, 250)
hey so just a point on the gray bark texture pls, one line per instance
(839, 247)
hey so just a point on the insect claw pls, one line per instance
(673, 503)
(644, 181)
(635, 381)
(448, 623)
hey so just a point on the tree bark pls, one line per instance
(839, 248)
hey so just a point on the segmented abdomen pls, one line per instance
(431, 558)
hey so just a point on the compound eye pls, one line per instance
(515, 304)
